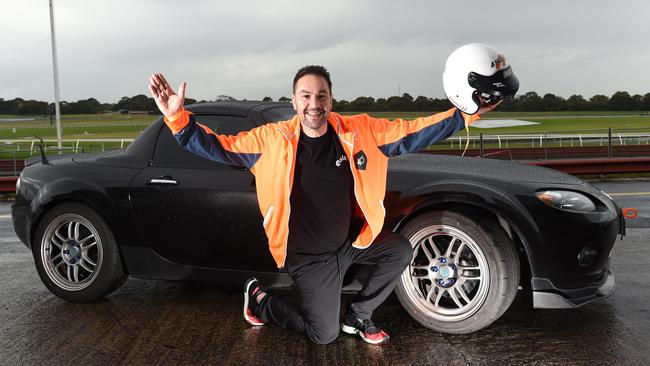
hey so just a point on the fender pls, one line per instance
(85, 192)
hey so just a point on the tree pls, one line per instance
(267, 99)
(530, 102)
(620, 101)
(394, 103)
(553, 103)
(646, 102)
(363, 104)
(637, 103)
(407, 102)
(599, 102)
(284, 99)
(422, 103)
(577, 103)
(342, 106)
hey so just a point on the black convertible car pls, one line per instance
(481, 229)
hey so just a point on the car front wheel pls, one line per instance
(464, 273)
(76, 254)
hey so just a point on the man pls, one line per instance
(321, 180)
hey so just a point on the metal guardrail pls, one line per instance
(8, 184)
(597, 166)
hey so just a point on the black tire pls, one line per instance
(63, 240)
(486, 298)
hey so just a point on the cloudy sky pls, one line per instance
(250, 49)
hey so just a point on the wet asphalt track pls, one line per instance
(161, 322)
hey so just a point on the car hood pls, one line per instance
(474, 166)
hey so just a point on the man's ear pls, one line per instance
(293, 101)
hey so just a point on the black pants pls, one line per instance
(319, 280)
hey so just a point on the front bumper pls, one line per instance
(553, 298)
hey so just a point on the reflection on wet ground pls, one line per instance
(165, 322)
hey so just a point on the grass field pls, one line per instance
(109, 126)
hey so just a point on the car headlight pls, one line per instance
(567, 200)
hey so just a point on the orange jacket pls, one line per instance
(269, 151)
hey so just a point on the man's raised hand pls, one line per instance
(166, 99)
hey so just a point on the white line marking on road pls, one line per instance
(5, 216)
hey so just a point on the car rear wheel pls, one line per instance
(464, 273)
(76, 254)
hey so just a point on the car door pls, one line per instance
(197, 212)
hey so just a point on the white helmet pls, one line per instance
(476, 71)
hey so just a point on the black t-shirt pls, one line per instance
(322, 198)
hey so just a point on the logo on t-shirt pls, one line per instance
(340, 160)
(361, 160)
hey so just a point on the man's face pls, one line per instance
(312, 101)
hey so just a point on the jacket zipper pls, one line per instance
(286, 240)
(355, 179)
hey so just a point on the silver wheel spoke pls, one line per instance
(76, 273)
(84, 266)
(434, 247)
(69, 273)
(89, 246)
(76, 230)
(84, 240)
(55, 243)
(58, 235)
(59, 264)
(467, 268)
(70, 230)
(430, 292)
(450, 248)
(462, 293)
(471, 277)
(440, 293)
(426, 251)
(460, 250)
(58, 256)
(85, 257)
(452, 293)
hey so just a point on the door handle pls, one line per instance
(165, 180)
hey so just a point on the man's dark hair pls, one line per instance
(313, 70)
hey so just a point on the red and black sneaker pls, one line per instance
(364, 328)
(251, 289)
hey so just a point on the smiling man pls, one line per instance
(321, 181)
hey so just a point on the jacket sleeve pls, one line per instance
(403, 137)
(243, 149)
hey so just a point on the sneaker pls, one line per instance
(364, 328)
(251, 288)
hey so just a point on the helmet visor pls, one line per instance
(502, 83)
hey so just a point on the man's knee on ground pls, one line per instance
(323, 334)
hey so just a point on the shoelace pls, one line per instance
(369, 327)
